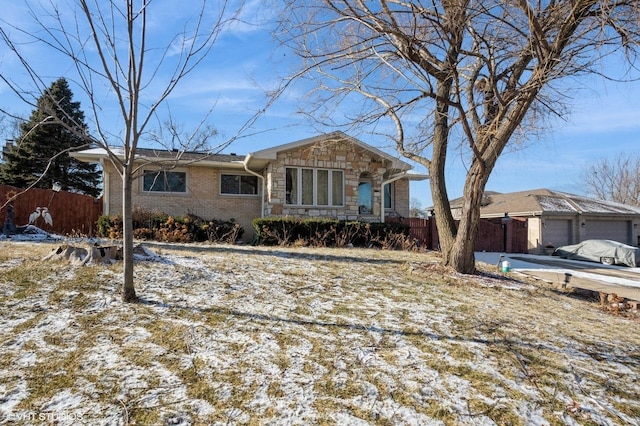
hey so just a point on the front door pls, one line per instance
(365, 205)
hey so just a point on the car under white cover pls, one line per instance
(604, 251)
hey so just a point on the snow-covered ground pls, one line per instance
(258, 335)
(518, 262)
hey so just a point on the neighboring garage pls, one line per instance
(617, 230)
(557, 231)
(556, 218)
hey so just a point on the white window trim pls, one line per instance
(315, 187)
(186, 183)
(224, 194)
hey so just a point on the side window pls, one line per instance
(337, 188)
(292, 185)
(238, 184)
(164, 181)
(388, 196)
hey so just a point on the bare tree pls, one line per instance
(434, 76)
(10, 128)
(615, 179)
(415, 208)
(110, 44)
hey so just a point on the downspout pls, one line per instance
(245, 163)
(386, 182)
(105, 189)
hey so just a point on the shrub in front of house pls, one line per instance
(147, 219)
(330, 233)
(110, 226)
(284, 231)
(220, 231)
(157, 226)
(175, 230)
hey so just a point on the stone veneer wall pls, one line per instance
(401, 197)
(330, 155)
(202, 199)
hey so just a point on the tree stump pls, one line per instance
(85, 255)
(97, 254)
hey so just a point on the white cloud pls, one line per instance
(254, 16)
(604, 108)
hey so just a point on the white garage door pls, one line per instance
(557, 232)
(616, 230)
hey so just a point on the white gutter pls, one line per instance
(386, 182)
(245, 163)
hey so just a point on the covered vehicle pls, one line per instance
(604, 251)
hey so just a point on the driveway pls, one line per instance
(621, 280)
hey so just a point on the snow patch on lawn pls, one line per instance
(299, 336)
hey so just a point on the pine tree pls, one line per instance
(44, 139)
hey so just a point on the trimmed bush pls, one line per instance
(330, 233)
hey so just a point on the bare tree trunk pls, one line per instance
(128, 290)
(447, 228)
(445, 223)
(461, 256)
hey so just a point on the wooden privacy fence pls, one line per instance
(70, 212)
(495, 235)
(421, 230)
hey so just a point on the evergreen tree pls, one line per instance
(45, 139)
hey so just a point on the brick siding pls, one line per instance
(202, 198)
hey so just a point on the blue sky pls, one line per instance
(604, 119)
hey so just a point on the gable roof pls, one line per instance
(256, 161)
(272, 153)
(538, 201)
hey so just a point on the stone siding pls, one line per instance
(338, 155)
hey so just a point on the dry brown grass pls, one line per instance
(246, 335)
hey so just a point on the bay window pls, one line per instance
(314, 187)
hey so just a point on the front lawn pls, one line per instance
(257, 335)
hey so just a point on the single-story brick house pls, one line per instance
(557, 218)
(331, 175)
